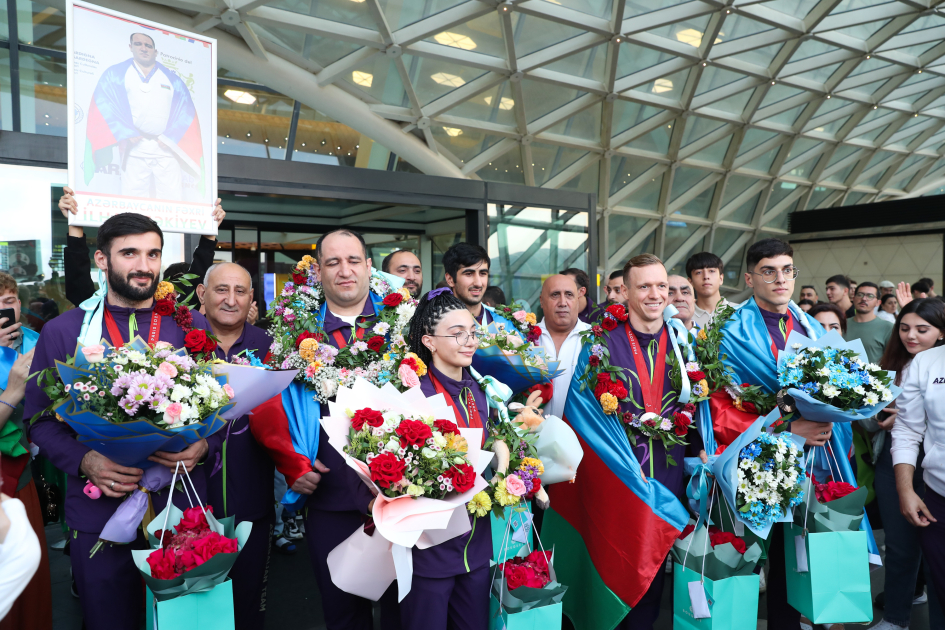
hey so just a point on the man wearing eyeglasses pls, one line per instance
(865, 326)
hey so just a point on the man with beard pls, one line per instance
(240, 470)
(588, 311)
(405, 264)
(466, 267)
(337, 500)
(109, 586)
(624, 502)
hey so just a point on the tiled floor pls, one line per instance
(293, 599)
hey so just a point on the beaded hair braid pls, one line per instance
(428, 314)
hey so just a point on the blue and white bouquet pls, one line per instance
(769, 478)
(760, 474)
(831, 380)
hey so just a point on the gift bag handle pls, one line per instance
(810, 483)
(829, 449)
(170, 494)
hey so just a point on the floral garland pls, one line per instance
(610, 390)
(198, 342)
(298, 338)
(709, 374)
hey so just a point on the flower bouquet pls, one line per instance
(525, 591)
(831, 380)
(513, 356)
(190, 555)
(760, 475)
(408, 510)
(130, 401)
(827, 554)
(723, 565)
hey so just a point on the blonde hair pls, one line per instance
(642, 260)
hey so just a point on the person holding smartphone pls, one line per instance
(33, 606)
(919, 327)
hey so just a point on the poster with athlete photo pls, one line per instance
(143, 135)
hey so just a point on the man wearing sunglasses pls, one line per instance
(752, 339)
(865, 325)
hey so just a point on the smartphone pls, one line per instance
(10, 315)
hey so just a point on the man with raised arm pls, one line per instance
(109, 585)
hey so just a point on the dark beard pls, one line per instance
(123, 287)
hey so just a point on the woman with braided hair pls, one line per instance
(451, 580)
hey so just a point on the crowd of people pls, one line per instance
(245, 472)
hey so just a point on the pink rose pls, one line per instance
(168, 369)
(519, 315)
(94, 354)
(163, 345)
(229, 391)
(515, 486)
(172, 413)
(407, 376)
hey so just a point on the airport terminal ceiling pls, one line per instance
(699, 124)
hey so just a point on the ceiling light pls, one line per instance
(662, 85)
(453, 131)
(362, 78)
(357, 1)
(456, 40)
(445, 78)
(238, 96)
(505, 103)
(690, 36)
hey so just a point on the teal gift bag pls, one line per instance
(835, 587)
(520, 521)
(541, 618)
(733, 602)
(208, 610)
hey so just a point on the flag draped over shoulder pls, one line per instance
(110, 122)
(611, 528)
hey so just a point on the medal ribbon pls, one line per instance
(652, 387)
(473, 421)
(340, 339)
(153, 333)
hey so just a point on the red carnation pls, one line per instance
(393, 299)
(299, 278)
(411, 363)
(386, 469)
(463, 476)
(618, 390)
(696, 376)
(681, 424)
(603, 385)
(195, 341)
(534, 335)
(414, 432)
(536, 486)
(445, 427)
(305, 335)
(594, 359)
(609, 323)
(370, 417)
(598, 331)
(164, 307)
(618, 311)
(376, 343)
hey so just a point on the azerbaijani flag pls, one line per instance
(611, 528)
(110, 123)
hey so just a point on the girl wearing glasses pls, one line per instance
(450, 585)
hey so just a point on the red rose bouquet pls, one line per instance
(532, 571)
(836, 506)
(526, 580)
(725, 554)
(194, 551)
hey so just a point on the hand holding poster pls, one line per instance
(143, 137)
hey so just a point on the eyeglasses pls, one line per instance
(771, 275)
(868, 296)
(462, 338)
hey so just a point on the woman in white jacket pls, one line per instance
(921, 420)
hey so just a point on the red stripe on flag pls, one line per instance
(626, 540)
(190, 142)
(270, 426)
(97, 130)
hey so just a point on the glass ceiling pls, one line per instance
(698, 124)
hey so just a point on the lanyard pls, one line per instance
(474, 421)
(340, 339)
(652, 387)
(153, 333)
(787, 333)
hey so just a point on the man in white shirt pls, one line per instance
(560, 334)
(705, 271)
(680, 296)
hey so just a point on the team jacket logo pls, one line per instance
(938, 381)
